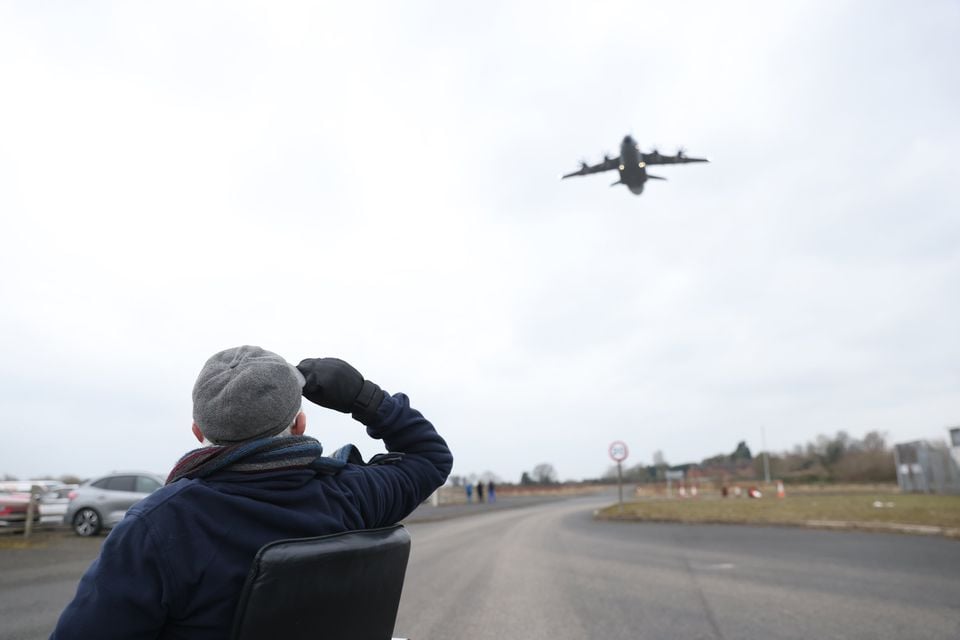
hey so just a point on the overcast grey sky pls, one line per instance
(379, 182)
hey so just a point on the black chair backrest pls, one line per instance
(343, 586)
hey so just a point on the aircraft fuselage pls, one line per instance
(633, 170)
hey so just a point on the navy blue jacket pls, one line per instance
(175, 565)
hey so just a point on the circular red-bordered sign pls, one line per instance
(619, 451)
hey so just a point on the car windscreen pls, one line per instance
(121, 483)
(146, 484)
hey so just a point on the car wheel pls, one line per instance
(87, 523)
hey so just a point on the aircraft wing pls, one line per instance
(608, 164)
(659, 158)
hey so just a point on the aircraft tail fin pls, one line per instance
(655, 177)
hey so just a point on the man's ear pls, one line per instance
(197, 433)
(299, 424)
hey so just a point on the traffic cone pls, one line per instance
(781, 492)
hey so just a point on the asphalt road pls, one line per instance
(551, 571)
(36, 583)
(548, 570)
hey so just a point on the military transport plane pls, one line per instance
(632, 165)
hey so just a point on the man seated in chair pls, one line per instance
(175, 565)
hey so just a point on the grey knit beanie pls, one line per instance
(245, 393)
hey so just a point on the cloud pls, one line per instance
(380, 182)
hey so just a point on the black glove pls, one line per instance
(334, 384)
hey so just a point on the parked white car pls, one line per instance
(54, 503)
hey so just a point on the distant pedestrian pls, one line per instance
(491, 492)
(480, 491)
(469, 489)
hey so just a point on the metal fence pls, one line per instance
(924, 467)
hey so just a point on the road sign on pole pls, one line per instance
(619, 452)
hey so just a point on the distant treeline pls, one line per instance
(838, 458)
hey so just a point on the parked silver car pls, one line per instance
(102, 502)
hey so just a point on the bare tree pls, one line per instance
(544, 473)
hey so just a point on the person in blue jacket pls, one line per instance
(175, 565)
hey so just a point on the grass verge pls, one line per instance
(859, 511)
(15, 540)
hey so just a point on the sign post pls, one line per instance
(672, 475)
(619, 453)
(32, 507)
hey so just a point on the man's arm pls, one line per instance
(394, 490)
(385, 493)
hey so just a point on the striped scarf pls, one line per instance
(263, 454)
(272, 454)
